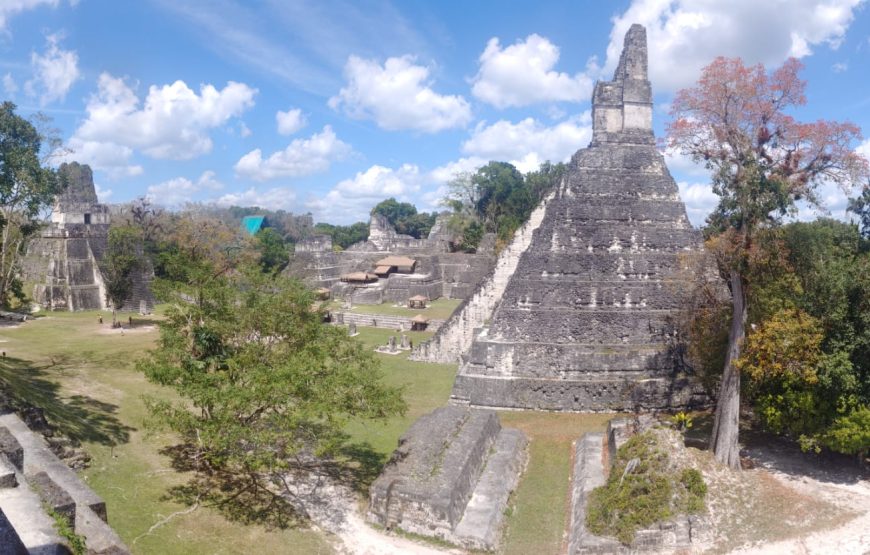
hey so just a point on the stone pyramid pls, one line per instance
(583, 324)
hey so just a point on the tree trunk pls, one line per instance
(114, 317)
(726, 422)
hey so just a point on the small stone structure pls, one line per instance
(33, 478)
(584, 323)
(679, 535)
(351, 330)
(436, 272)
(451, 477)
(63, 264)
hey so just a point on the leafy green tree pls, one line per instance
(344, 235)
(860, 206)
(394, 211)
(274, 254)
(122, 259)
(851, 434)
(404, 217)
(265, 388)
(763, 161)
(27, 188)
(496, 198)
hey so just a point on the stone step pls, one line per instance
(28, 524)
(598, 395)
(456, 336)
(481, 523)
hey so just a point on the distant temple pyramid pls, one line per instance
(583, 323)
(63, 264)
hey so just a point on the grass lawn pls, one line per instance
(439, 309)
(85, 380)
(538, 515)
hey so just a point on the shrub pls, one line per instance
(652, 491)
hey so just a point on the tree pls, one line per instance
(762, 162)
(404, 217)
(27, 188)
(271, 387)
(274, 255)
(860, 206)
(122, 259)
(344, 235)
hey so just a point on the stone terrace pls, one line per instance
(450, 477)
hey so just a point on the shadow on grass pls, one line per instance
(277, 501)
(78, 417)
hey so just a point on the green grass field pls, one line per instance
(84, 377)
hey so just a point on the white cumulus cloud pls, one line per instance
(301, 157)
(529, 143)
(352, 199)
(54, 72)
(685, 35)
(397, 96)
(10, 87)
(523, 74)
(699, 199)
(290, 122)
(9, 8)
(177, 191)
(173, 122)
(275, 198)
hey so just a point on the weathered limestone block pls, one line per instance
(8, 477)
(54, 497)
(678, 535)
(11, 449)
(450, 477)
(585, 322)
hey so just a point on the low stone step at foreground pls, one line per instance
(32, 478)
(451, 477)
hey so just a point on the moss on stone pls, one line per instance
(653, 489)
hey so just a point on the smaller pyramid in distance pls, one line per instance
(585, 321)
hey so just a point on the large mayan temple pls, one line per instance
(583, 323)
(63, 264)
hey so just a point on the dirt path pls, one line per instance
(840, 484)
(334, 508)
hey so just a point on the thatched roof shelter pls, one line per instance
(419, 322)
(418, 301)
(359, 277)
(400, 263)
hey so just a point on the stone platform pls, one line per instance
(450, 477)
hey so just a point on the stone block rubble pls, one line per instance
(32, 482)
(451, 477)
(680, 534)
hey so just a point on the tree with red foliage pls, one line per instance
(762, 162)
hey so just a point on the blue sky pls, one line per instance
(330, 107)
